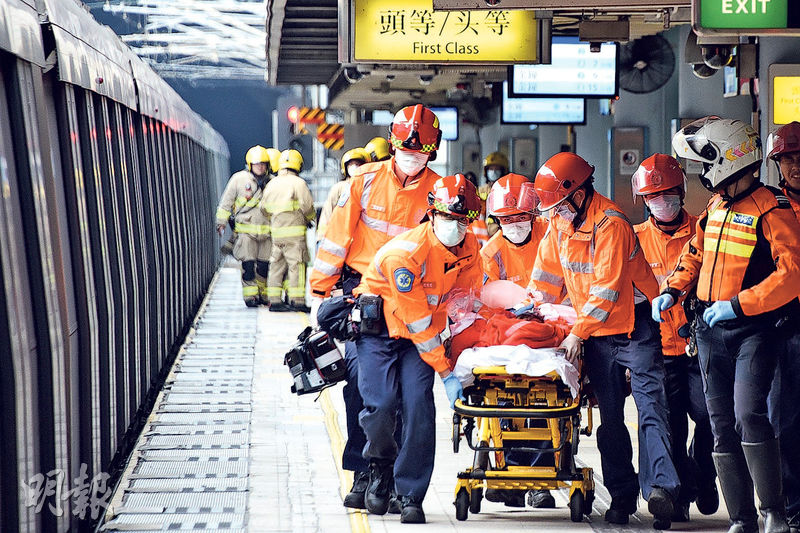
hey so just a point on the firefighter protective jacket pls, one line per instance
(376, 208)
(744, 250)
(505, 260)
(241, 197)
(335, 192)
(600, 265)
(662, 251)
(289, 205)
(413, 273)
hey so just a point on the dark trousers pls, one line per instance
(784, 407)
(352, 458)
(392, 375)
(737, 361)
(356, 440)
(684, 388)
(606, 358)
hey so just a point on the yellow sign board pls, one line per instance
(785, 99)
(391, 31)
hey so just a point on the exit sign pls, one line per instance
(746, 17)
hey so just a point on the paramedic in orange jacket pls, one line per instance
(591, 251)
(784, 149)
(384, 200)
(510, 253)
(413, 274)
(743, 264)
(661, 183)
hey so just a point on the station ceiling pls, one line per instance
(303, 41)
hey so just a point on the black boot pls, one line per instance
(395, 505)
(251, 301)
(737, 490)
(541, 499)
(681, 511)
(280, 307)
(620, 510)
(662, 507)
(380, 486)
(764, 462)
(355, 498)
(707, 500)
(411, 510)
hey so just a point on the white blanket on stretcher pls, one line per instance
(517, 360)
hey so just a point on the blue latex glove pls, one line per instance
(453, 387)
(722, 310)
(522, 310)
(662, 302)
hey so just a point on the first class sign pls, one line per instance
(411, 31)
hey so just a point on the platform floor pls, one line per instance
(229, 448)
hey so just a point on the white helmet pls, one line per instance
(724, 146)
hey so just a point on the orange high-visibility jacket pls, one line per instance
(505, 260)
(376, 208)
(601, 267)
(662, 251)
(744, 251)
(413, 273)
(795, 205)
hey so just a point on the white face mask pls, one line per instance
(517, 232)
(665, 208)
(564, 211)
(410, 163)
(449, 232)
(493, 175)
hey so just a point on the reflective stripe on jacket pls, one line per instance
(376, 208)
(502, 259)
(745, 251)
(335, 192)
(599, 264)
(662, 251)
(414, 273)
(288, 203)
(241, 198)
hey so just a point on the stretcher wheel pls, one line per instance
(475, 501)
(576, 506)
(462, 504)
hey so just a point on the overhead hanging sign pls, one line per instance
(388, 31)
(746, 17)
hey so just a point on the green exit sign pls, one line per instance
(746, 17)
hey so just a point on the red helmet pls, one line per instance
(415, 128)
(784, 140)
(512, 194)
(455, 195)
(560, 176)
(659, 172)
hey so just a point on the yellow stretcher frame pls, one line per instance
(496, 395)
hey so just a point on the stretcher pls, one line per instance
(496, 419)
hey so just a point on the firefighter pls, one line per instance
(784, 149)
(413, 274)
(510, 252)
(290, 207)
(351, 160)
(591, 251)
(495, 166)
(253, 244)
(743, 264)
(384, 199)
(661, 183)
(378, 150)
